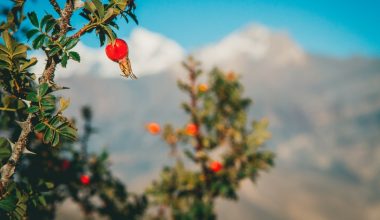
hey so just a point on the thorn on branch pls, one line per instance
(8, 169)
(22, 124)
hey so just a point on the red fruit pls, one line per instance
(39, 136)
(117, 50)
(65, 165)
(191, 129)
(153, 128)
(85, 179)
(216, 166)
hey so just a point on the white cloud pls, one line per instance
(152, 53)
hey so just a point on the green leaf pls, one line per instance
(99, 7)
(20, 49)
(109, 14)
(42, 200)
(50, 24)
(55, 141)
(54, 50)
(32, 109)
(31, 33)
(38, 42)
(42, 89)
(48, 104)
(45, 19)
(109, 32)
(7, 40)
(102, 38)
(48, 136)
(28, 64)
(69, 133)
(74, 55)
(4, 65)
(133, 16)
(56, 129)
(54, 122)
(6, 59)
(64, 60)
(89, 5)
(8, 203)
(32, 96)
(71, 43)
(49, 185)
(4, 50)
(33, 18)
(40, 127)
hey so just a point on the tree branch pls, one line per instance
(8, 169)
(88, 27)
(191, 67)
(82, 31)
(56, 6)
(66, 14)
(64, 25)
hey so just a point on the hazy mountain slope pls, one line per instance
(324, 114)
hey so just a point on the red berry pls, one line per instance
(39, 136)
(153, 128)
(65, 165)
(191, 129)
(117, 50)
(85, 179)
(216, 166)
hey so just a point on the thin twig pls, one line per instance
(191, 66)
(7, 109)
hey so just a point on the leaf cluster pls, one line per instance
(44, 35)
(21, 96)
(101, 17)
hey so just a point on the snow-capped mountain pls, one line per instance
(253, 43)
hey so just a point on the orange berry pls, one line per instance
(85, 179)
(153, 128)
(191, 129)
(203, 87)
(216, 166)
(231, 76)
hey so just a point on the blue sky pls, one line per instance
(321, 26)
(335, 27)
